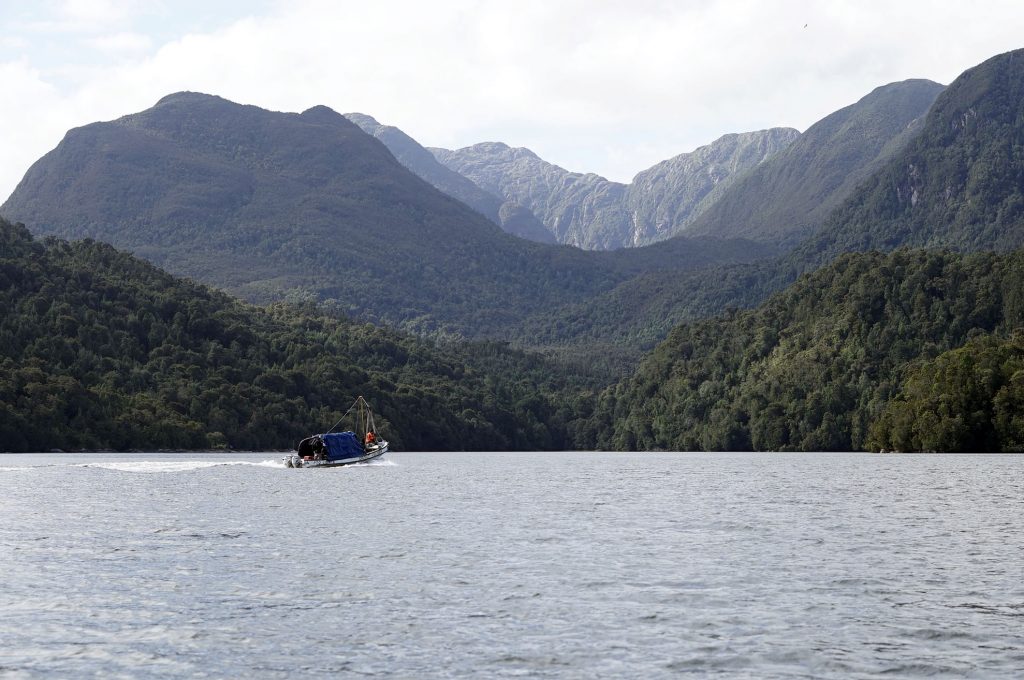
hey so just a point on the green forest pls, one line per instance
(837, 361)
(967, 399)
(911, 351)
(99, 350)
(897, 325)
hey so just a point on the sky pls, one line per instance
(601, 86)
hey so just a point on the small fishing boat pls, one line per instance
(334, 449)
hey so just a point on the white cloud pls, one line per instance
(34, 110)
(95, 15)
(15, 43)
(119, 43)
(598, 85)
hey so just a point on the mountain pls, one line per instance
(589, 211)
(958, 184)
(816, 366)
(789, 196)
(666, 199)
(272, 206)
(513, 218)
(101, 350)
(979, 165)
(584, 210)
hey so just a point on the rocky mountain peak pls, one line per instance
(590, 211)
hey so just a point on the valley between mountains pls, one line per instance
(206, 274)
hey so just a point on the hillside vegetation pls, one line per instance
(966, 399)
(910, 351)
(958, 184)
(790, 195)
(816, 365)
(273, 206)
(100, 350)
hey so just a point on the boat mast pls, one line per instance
(364, 420)
(361, 419)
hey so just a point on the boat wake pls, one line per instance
(153, 466)
(175, 465)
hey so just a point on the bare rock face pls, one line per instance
(409, 153)
(665, 199)
(591, 212)
(581, 210)
(518, 220)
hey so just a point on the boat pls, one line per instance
(335, 449)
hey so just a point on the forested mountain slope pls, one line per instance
(967, 165)
(276, 206)
(957, 184)
(815, 366)
(101, 350)
(967, 399)
(789, 196)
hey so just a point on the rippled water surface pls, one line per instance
(494, 565)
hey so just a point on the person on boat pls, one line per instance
(371, 438)
(319, 450)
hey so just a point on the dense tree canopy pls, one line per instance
(101, 350)
(966, 399)
(815, 366)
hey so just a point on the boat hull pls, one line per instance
(294, 461)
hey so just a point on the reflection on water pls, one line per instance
(493, 565)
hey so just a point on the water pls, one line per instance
(502, 565)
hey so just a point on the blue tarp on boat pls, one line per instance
(342, 445)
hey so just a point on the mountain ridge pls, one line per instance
(589, 211)
(272, 205)
(789, 196)
(510, 216)
(958, 184)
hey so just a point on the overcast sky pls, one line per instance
(593, 85)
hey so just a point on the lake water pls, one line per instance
(513, 565)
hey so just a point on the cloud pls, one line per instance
(596, 85)
(15, 43)
(76, 16)
(123, 42)
(95, 15)
(27, 123)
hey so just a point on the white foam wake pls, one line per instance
(174, 465)
(149, 466)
